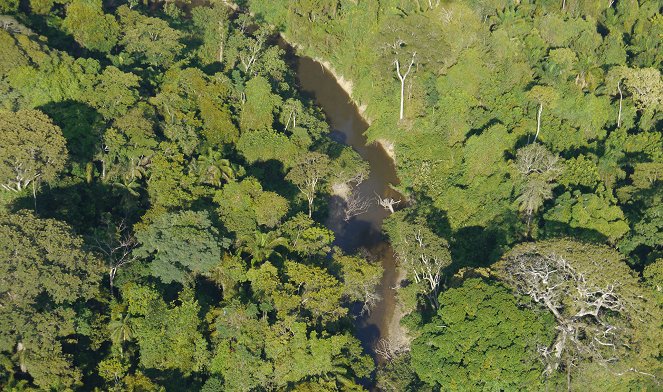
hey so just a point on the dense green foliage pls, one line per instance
(46, 277)
(483, 69)
(481, 340)
(170, 248)
(164, 188)
(524, 121)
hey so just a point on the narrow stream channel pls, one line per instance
(363, 231)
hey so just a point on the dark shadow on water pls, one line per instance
(368, 335)
(338, 136)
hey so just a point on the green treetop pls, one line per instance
(180, 245)
(482, 340)
(32, 149)
(90, 27)
(45, 271)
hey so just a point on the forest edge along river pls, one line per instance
(363, 231)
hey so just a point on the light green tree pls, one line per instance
(168, 335)
(149, 40)
(309, 174)
(262, 246)
(243, 206)
(90, 27)
(32, 150)
(590, 216)
(258, 110)
(115, 93)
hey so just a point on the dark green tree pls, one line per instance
(482, 339)
(179, 246)
(45, 272)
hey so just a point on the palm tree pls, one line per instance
(121, 330)
(131, 186)
(138, 167)
(507, 17)
(213, 169)
(262, 246)
(588, 73)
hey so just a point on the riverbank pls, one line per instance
(348, 87)
(363, 232)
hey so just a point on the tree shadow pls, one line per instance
(81, 126)
(471, 246)
(271, 175)
(174, 380)
(57, 39)
(552, 229)
(475, 246)
(83, 206)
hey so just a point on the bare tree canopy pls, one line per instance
(602, 315)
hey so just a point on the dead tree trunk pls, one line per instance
(402, 78)
(538, 122)
(355, 204)
(388, 203)
(621, 97)
(222, 33)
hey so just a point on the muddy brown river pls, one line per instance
(363, 231)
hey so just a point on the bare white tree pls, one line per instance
(386, 349)
(308, 174)
(116, 245)
(538, 121)
(536, 159)
(621, 97)
(253, 50)
(222, 40)
(432, 4)
(584, 312)
(371, 298)
(402, 77)
(421, 253)
(356, 204)
(387, 203)
(427, 267)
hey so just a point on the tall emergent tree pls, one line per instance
(180, 245)
(89, 25)
(402, 75)
(420, 252)
(43, 273)
(538, 170)
(481, 340)
(308, 174)
(603, 315)
(32, 149)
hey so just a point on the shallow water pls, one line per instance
(363, 231)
